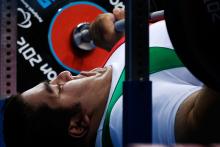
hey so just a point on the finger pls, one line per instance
(102, 29)
(119, 13)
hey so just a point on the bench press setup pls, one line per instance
(39, 39)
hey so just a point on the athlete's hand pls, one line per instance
(102, 30)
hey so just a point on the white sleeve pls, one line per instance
(167, 97)
(115, 124)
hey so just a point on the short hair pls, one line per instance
(26, 126)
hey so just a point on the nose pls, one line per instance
(63, 77)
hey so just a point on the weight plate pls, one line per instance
(194, 28)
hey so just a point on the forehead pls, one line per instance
(37, 95)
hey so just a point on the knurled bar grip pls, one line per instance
(8, 55)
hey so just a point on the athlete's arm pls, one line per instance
(197, 120)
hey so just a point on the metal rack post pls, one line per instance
(137, 102)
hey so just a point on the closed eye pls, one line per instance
(60, 88)
(48, 87)
(51, 89)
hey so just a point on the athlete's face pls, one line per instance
(88, 88)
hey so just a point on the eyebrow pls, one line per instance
(48, 87)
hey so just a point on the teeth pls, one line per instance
(101, 69)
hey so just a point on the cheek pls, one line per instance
(73, 92)
(79, 86)
(70, 97)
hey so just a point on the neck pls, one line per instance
(98, 111)
(95, 121)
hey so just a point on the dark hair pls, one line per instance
(25, 126)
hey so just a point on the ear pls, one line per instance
(79, 126)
